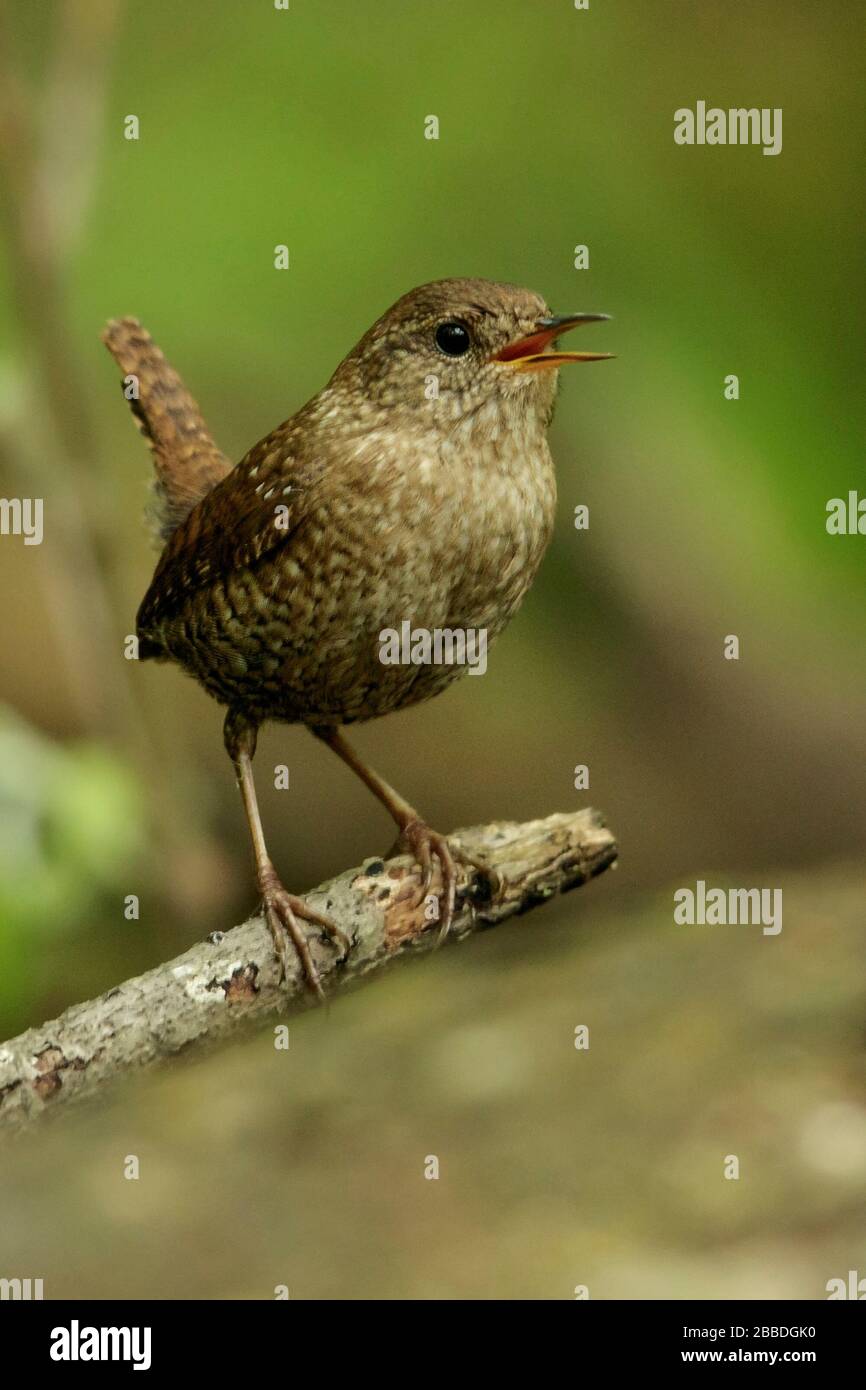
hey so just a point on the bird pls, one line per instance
(417, 486)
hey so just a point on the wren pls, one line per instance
(416, 487)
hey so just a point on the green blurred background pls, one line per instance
(559, 1168)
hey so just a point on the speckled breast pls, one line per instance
(303, 633)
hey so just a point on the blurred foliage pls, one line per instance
(305, 127)
(70, 824)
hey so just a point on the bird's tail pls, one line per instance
(186, 460)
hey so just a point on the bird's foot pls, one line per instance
(427, 848)
(284, 913)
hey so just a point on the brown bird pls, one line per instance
(416, 488)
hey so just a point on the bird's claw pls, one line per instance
(284, 913)
(427, 847)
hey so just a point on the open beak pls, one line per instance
(530, 353)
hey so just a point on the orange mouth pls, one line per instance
(530, 353)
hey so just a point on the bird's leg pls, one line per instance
(282, 909)
(416, 837)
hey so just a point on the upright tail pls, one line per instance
(187, 462)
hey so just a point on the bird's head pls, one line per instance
(465, 349)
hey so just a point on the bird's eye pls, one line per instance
(453, 338)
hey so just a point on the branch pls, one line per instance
(231, 978)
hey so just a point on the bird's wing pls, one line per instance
(257, 508)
